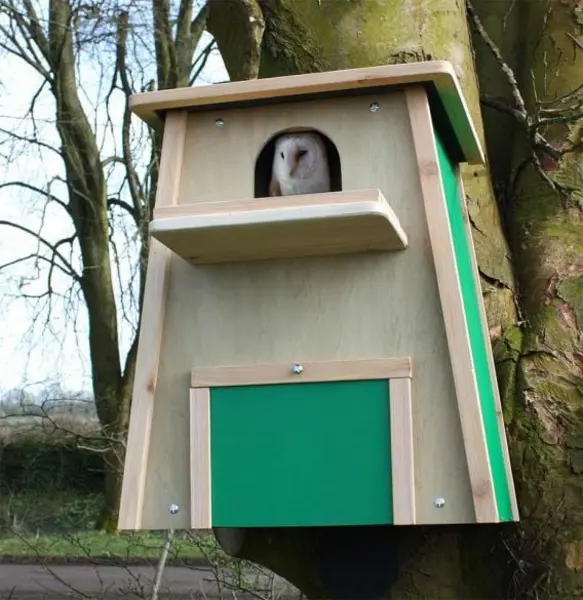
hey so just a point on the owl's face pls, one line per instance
(298, 156)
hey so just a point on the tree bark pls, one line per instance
(546, 235)
(305, 36)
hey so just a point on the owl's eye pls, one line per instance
(302, 153)
(281, 154)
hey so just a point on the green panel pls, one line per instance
(476, 331)
(301, 454)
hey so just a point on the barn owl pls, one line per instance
(300, 165)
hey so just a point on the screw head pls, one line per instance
(374, 107)
(174, 508)
(219, 122)
(297, 369)
(439, 502)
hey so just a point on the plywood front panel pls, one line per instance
(219, 162)
(294, 310)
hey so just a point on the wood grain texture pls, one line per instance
(285, 229)
(150, 340)
(452, 307)
(402, 460)
(329, 370)
(151, 106)
(200, 459)
(347, 307)
(491, 365)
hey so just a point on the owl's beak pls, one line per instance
(296, 162)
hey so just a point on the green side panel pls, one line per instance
(476, 332)
(301, 454)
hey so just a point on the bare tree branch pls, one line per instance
(66, 267)
(37, 190)
(127, 207)
(202, 59)
(30, 32)
(520, 104)
(30, 140)
(165, 53)
(136, 190)
(529, 124)
(503, 106)
(238, 27)
(36, 30)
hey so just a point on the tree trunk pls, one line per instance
(305, 36)
(546, 235)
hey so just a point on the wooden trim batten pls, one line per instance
(200, 459)
(491, 365)
(311, 371)
(150, 339)
(467, 393)
(402, 460)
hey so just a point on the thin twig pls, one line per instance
(498, 55)
(574, 39)
(519, 112)
(168, 538)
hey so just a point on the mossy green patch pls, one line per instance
(571, 291)
(506, 355)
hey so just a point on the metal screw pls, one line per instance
(374, 107)
(439, 502)
(219, 122)
(174, 508)
(297, 369)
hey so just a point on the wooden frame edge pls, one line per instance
(437, 220)
(200, 459)
(402, 456)
(150, 337)
(268, 203)
(311, 371)
(491, 365)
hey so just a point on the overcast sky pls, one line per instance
(57, 350)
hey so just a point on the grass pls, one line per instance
(92, 544)
(61, 526)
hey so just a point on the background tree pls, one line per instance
(106, 182)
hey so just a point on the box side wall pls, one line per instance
(478, 342)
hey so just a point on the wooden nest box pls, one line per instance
(320, 359)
